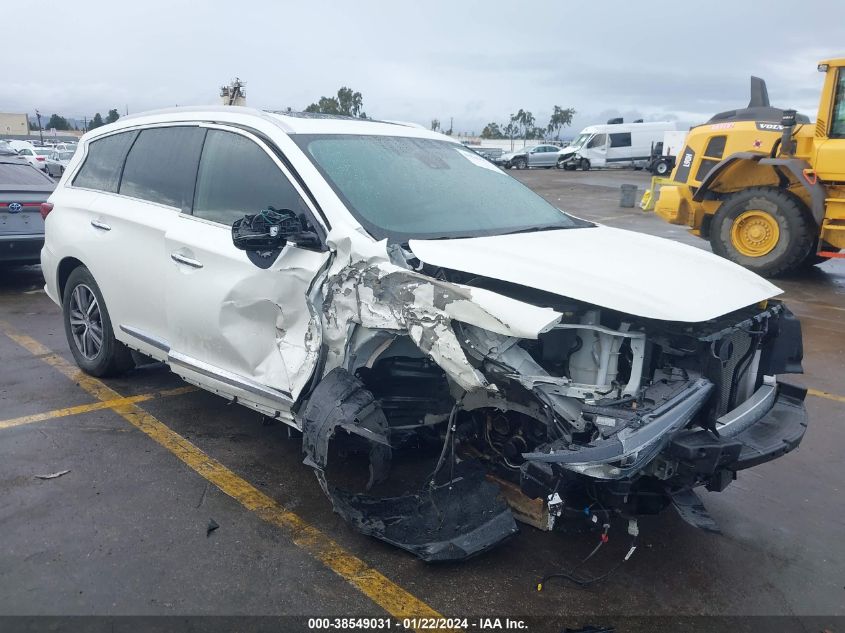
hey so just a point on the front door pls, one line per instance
(249, 329)
(595, 150)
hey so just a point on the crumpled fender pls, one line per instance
(378, 294)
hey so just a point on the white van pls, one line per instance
(615, 145)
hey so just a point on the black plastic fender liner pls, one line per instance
(450, 522)
(446, 522)
(340, 400)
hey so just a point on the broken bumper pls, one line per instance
(768, 425)
(774, 433)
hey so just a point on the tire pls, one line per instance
(584, 164)
(520, 163)
(111, 357)
(569, 167)
(787, 231)
(662, 168)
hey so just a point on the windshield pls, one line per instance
(44, 152)
(411, 188)
(65, 155)
(579, 141)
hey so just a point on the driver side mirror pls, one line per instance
(271, 229)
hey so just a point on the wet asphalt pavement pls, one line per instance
(124, 532)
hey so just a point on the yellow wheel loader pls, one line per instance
(766, 186)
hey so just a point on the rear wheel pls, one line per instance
(662, 168)
(89, 329)
(763, 229)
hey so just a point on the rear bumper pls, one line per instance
(23, 249)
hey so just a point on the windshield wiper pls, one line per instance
(535, 229)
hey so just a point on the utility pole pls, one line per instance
(84, 124)
(40, 130)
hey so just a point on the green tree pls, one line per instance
(350, 102)
(112, 116)
(524, 121)
(561, 117)
(347, 103)
(492, 130)
(57, 122)
(96, 122)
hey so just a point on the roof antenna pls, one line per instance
(759, 94)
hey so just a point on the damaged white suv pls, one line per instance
(454, 349)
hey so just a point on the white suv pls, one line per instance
(377, 285)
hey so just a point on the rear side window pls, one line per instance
(622, 139)
(237, 177)
(21, 175)
(104, 161)
(715, 146)
(162, 165)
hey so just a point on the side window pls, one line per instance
(162, 165)
(715, 146)
(237, 177)
(598, 140)
(837, 126)
(622, 139)
(104, 161)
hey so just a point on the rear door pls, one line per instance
(125, 225)
(245, 328)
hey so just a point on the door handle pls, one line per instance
(100, 225)
(181, 259)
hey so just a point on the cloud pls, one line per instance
(473, 61)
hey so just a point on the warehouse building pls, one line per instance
(13, 123)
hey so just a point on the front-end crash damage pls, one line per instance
(497, 391)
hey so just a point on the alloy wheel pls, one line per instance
(86, 322)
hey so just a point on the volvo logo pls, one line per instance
(15, 207)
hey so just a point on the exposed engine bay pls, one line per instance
(599, 407)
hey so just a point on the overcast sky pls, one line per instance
(421, 59)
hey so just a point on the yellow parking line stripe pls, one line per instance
(93, 406)
(372, 583)
(825, 394)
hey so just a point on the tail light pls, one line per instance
(46, 207)
(40, 158)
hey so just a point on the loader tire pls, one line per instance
(765, 230)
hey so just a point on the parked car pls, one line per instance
(390, 294)
(22, 190)
(57, 161)
(537, 156)
(36, 156)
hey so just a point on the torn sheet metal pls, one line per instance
(387, 297)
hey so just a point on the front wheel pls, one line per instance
(584, 164)
(765, 230)
(662, 168)
(89, 329)
(521, 163)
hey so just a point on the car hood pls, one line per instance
(568, 150)
(621, 270)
